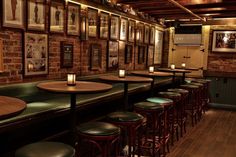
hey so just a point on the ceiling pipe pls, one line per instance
(186, 9)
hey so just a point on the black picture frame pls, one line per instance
(104, 25)
(123, 29)
(146, 34)
(128, 53)
(152, 35)
(67, 51)
(95, 56)
(150, 55)
(73, 19)
(113, 55)
(141, 54)
(131, 32)
(114, 27)
(92, 22)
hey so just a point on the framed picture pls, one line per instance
(158, 47)
(131, 31)
(152, 35)
(104, 21)
(224, 41)
(36, 15)
(114, 27)
(95, 56)
(57, 16)
(113, 54)
(140, 33)
(123, 29)
(73, 20)
(35, 54)
(66, 55)
(146, 34)
(13, 13)
(128, 54)
(150, 55)
(141, 54)
(92, 22)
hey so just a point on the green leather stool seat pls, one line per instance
(189, 86)
(98, 129)
(178, 90)
(149, 106)
(46, 149)
(160, 101)
(196, 84)
(125, 117)
(171, 94)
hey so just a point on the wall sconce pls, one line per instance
(84, 28)
(121, 73)
(183, 65)
(71, 79)
(172, 66)
(151, 69)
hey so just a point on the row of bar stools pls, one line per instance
(102, 135)
(130, 123)
(165, 134)
(46, 149)
(181, 108)
(174, 115)
(152, 131)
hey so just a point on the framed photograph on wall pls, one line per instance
(73, 20)
(57, 16)
(152, 35)
(224, 41)
(146, 34)
(36, 15)
(123, 29)
(158, 47)
(150, 55)
(131, 31)
(35, 54)
(92, 22)
(128, 54)
(114, 27)
(141, 54)
(66, 54)
(113, 55)
(13, 13)
(140, 32)
(104, 25)
(95, 56)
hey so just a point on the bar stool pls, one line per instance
(152, 132)
(181, 109)
(166, 104)
(174, 116)
(129, 122)
(46, 149)
(100, 134)
(191, 106)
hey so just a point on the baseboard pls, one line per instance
(222, 106)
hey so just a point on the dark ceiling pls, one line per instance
(166, 9)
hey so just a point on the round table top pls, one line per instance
(10, 106)
(174, 70)
(155, 73)
(128, 79)
(80, 87)
(189, 68)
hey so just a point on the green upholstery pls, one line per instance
(148, 106)
(196, 84)
(98, 129)
(124, 117)
(170, 94)
(178, 90)
(46, 149)
(160, 101)
(190, 86)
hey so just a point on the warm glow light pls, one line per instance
(151, 69)
(183, 65)
(71, 79)
(172, 66)
(121, 73)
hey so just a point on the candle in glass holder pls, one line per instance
(183, 65)
(121, 73)
(172, 66)
(71, 79)
(151, 69)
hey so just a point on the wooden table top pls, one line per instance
(155, 73)
(10, 106)
(81, 87)
(174, 70)
(128, 79)
(189, 68)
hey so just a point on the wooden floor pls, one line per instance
(213, 136)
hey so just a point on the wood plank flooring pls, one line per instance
(213, 136)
